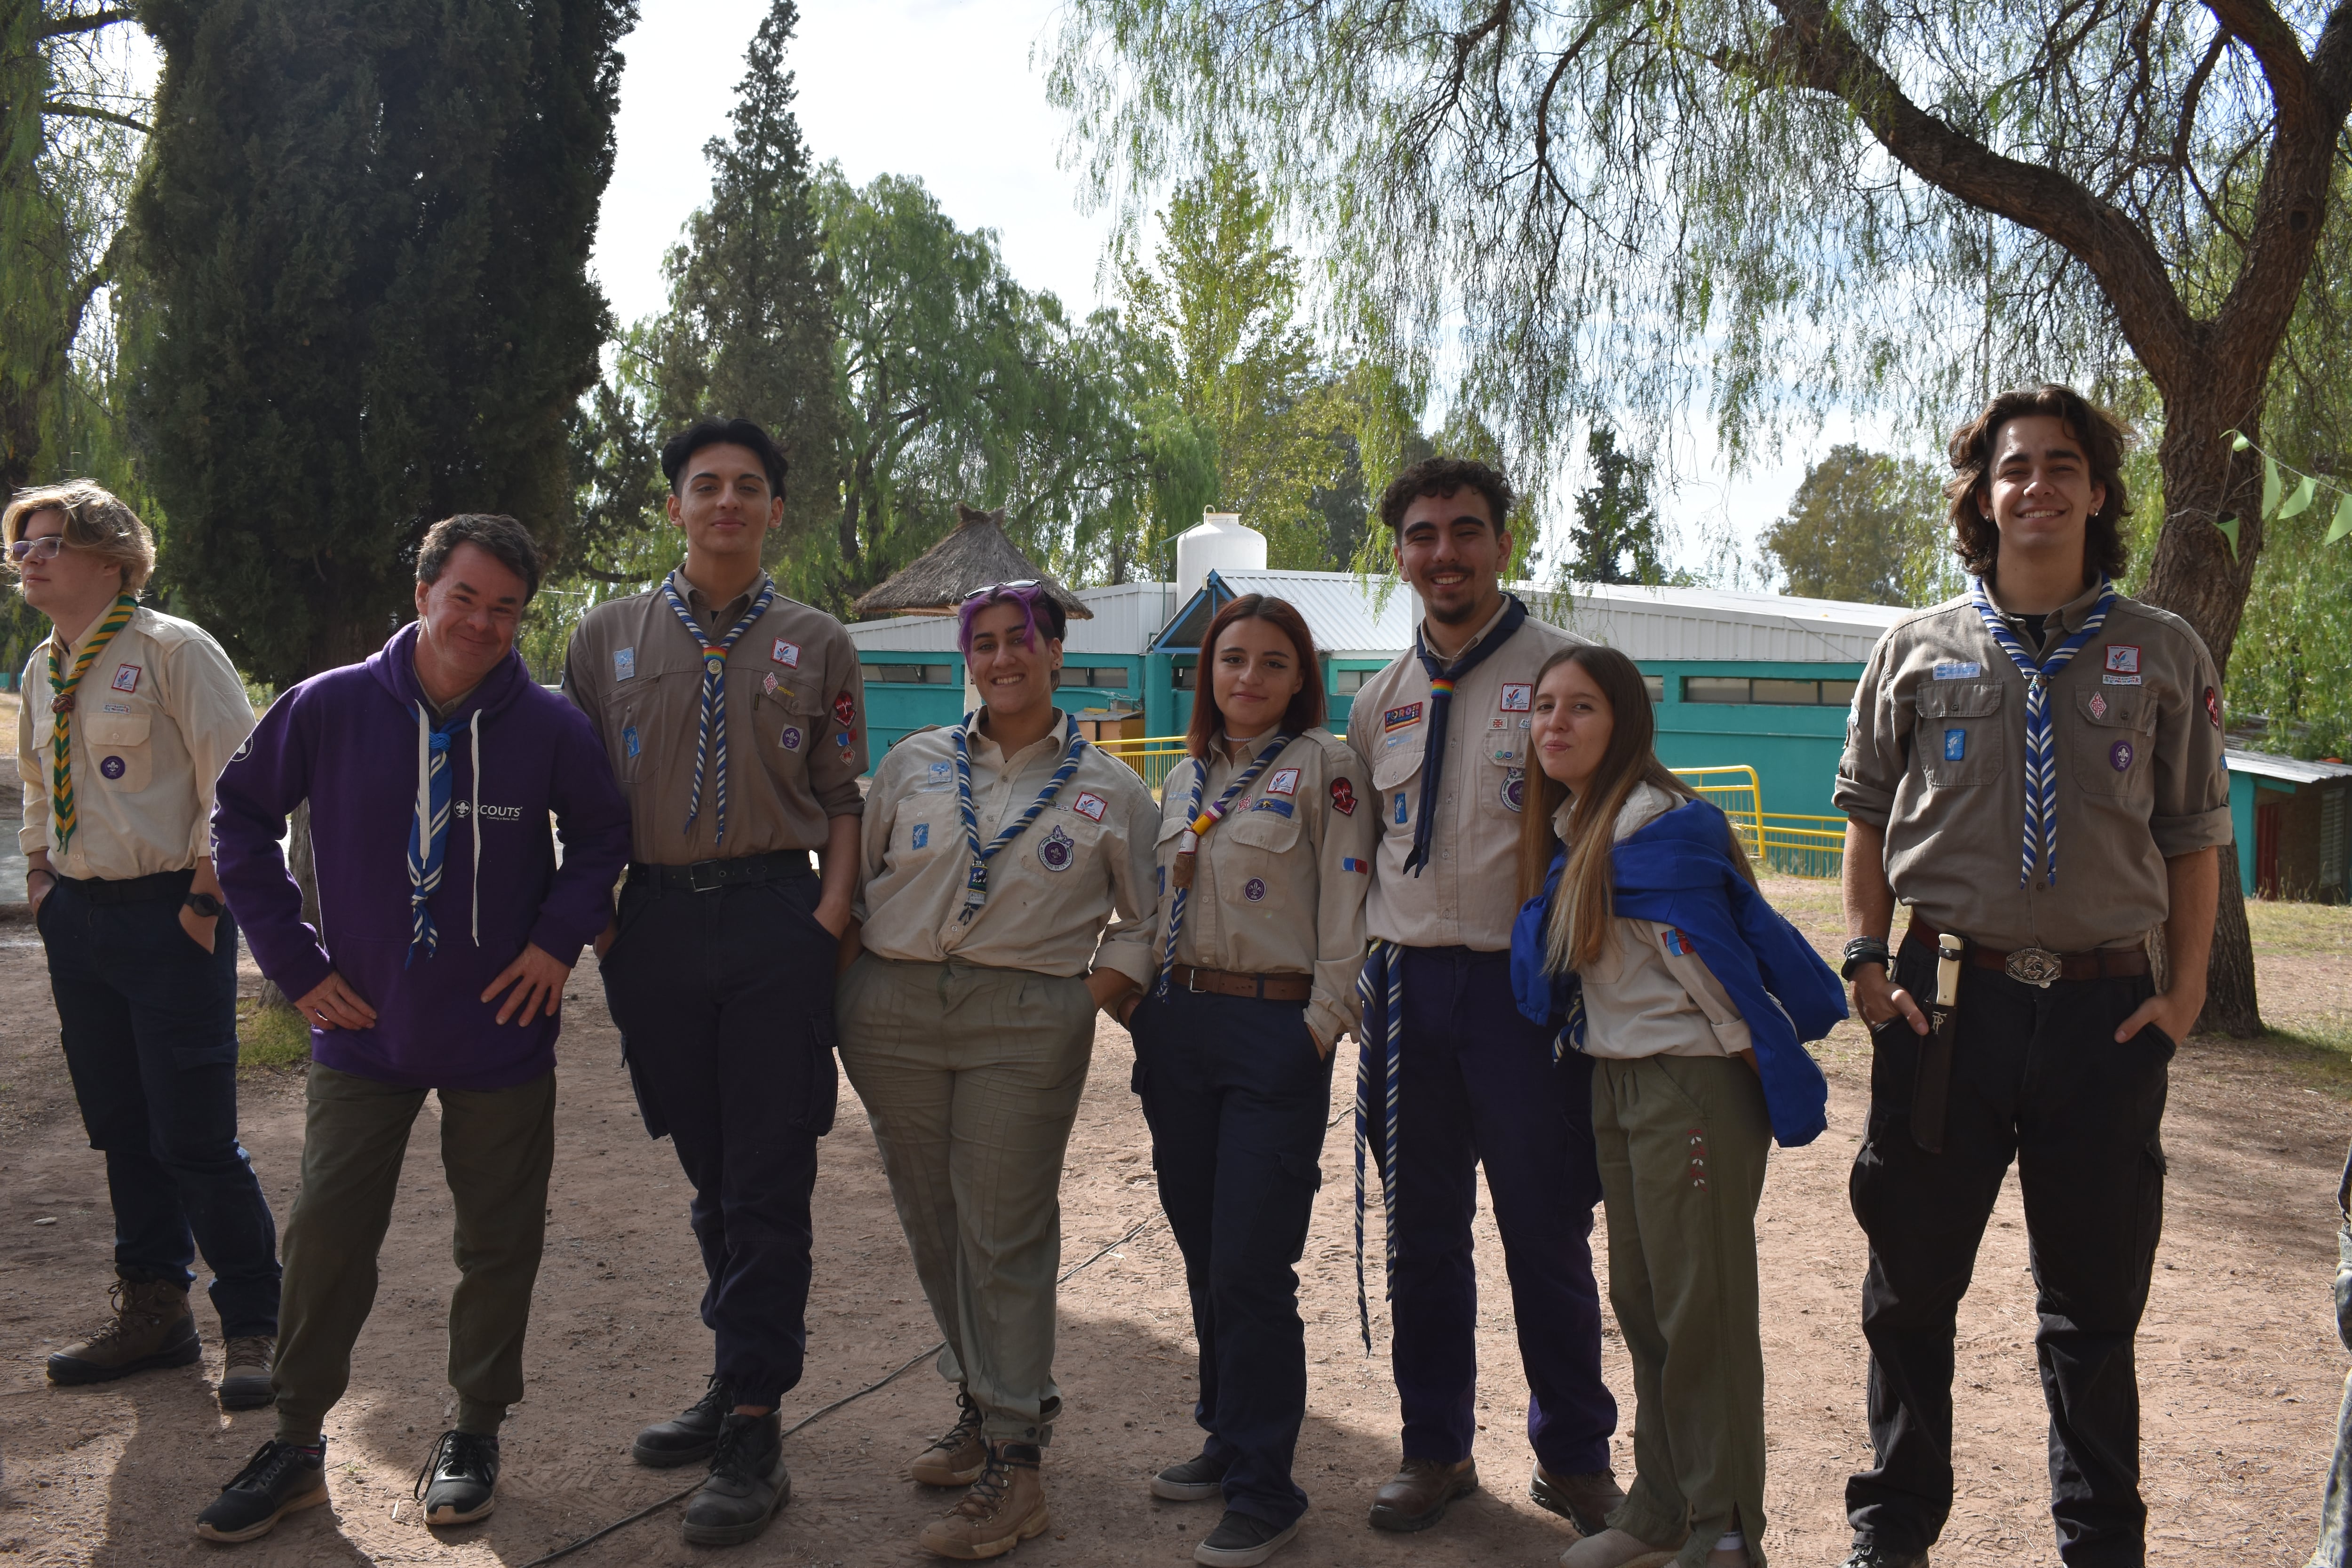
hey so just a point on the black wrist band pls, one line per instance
(204, 904)
(1864, 950)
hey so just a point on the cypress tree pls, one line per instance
(366, 227)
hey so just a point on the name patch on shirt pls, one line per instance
(2119, 680)
(624, 663)
(2123, 657)
(1279, 807)
(792, 737)
(115, 708)
(1676, 942)
(1518, 696)
(629, 743)
(1284, 782)
(786, 654)
(1402, 718)
(1957, 669)
(126, 680)
(1956, 745)
(1089, 806)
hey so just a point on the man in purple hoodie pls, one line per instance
(445, 933)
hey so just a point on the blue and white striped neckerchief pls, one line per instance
(428, 830)
(2041, 767)
(710, 735)
(1195, 825)
(1379, 986)
(975, 886)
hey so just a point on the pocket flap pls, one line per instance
(1954, 700)
(1263, 830)
(1392, 768)
(117, 729)
(2116, 708)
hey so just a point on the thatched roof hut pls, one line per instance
(974, 555)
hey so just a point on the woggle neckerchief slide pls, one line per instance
(975, 887)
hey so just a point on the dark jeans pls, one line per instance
(149, 1021)
(2335, 1546)
(724, 1000)
(1237, 1096)
(1478, 1087)
(2037, 1077)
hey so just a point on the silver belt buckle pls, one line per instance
(2034, 966)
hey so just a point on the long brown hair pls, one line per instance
(1306, 704)
(1579, 921)
(1975, 538)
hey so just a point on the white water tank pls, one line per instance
(1219, 544)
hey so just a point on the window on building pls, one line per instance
(1347, 682)
(908, 674)
(1187, 678)
(1655, 685)
(1111, 677)
(1716, 689)
(1766, 689)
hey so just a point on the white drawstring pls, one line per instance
(478, 826)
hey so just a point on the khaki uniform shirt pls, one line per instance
(1935, 756)
(1650, 994)
(795, 722)
(156, 717)
(1278, 886)
(1467, 893)
(1084, 864)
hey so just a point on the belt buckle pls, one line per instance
(718, 869)
(2034, 966)
(1192, 981)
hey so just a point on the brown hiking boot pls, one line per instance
(958, 1456)
(244, 1372)
(1586, 1501)
(152, 1327)
(1417, 1496)
(1004, 1508)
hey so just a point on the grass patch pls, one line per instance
(272, 1038)
(2284, 929)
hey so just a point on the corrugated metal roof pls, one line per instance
(2295, 770)
(1125, 617)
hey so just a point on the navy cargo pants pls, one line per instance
(1237, 1096)
(1479, 1087)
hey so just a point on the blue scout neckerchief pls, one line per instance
(711, 733)
(1441, 700)
(428, 830)
(1379, 986)
(1198, 823)
(2040, 775)
(975, 887)
(1677, 872)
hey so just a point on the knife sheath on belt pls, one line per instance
(1933, 1090)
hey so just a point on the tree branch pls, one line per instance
(63, 27)
(2278, 51)
(84, 111)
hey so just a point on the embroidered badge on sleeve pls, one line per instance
(844, 712)
(1343, 798)
(1402, 718)
(2213, 707)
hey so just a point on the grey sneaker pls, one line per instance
(460, 1479)
(245, 1377)
(1197, 1479)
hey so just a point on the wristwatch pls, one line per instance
(204, 904)
(1864, 950)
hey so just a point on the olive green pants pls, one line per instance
(971, 1079)
(1682, 1142)
(497, 1148)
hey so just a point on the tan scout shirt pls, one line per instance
(1467, 894)
(1085, 863)
(1650, 994)
(795, 722)
(156, 718)
(1278, 886)
(1935, 756)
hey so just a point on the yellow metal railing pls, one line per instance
(1790, 844)
(1150, 756)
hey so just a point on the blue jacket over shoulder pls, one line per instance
(1678, 871)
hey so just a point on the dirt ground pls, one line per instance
(2240, 1367)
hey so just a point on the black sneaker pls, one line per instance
(1197, 1479)
(747, 1483)
(279, 1478)
(461, 1478)
(1871, 1554)
(1243, 1541)
(665, 1445)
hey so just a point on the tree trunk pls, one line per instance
(2197, 578)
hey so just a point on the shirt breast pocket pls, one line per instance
(1396, 775)
(791, 725)
(1062, 842)
(1958, 739)
(928, 826)
(120, 755)
(2112, 735)
(1265, 828)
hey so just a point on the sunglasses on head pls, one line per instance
(1000, 588)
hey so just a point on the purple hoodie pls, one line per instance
(347, 741)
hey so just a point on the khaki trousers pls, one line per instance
(1681, 1142)
(971, 1079)
(498, 1146)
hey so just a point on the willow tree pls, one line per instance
(1763, 208)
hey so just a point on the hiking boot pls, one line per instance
(244, 1376)
(1243, 1541)
(152, 1327)
(279, 1478)
(958, 1456)
(691, 1437)
(1197, 1479)
(1005, 1507)
(1871, 1554)
(461, 1478)
(1416, 1497)
(747, 1484)
(1584, 1500)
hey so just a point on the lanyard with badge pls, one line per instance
(1199, 821)
(975, 887)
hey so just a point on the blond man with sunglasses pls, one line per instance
(128, 718)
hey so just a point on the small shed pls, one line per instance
(2298, 818)
(975, 554)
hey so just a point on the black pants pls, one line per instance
(2037, 1075)
(149, 1021)
(724, 1000)
(1236, 1095)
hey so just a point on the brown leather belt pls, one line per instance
(2037, 966)
(1227, 983)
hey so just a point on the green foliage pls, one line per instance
(1614, 538)
(365, 224)
(2287, 676)
(1866, 527)
(274, 1039)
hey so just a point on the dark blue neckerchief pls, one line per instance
(1442, 681)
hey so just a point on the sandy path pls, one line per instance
(2240, 1369)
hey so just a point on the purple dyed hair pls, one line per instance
(1031, 599)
